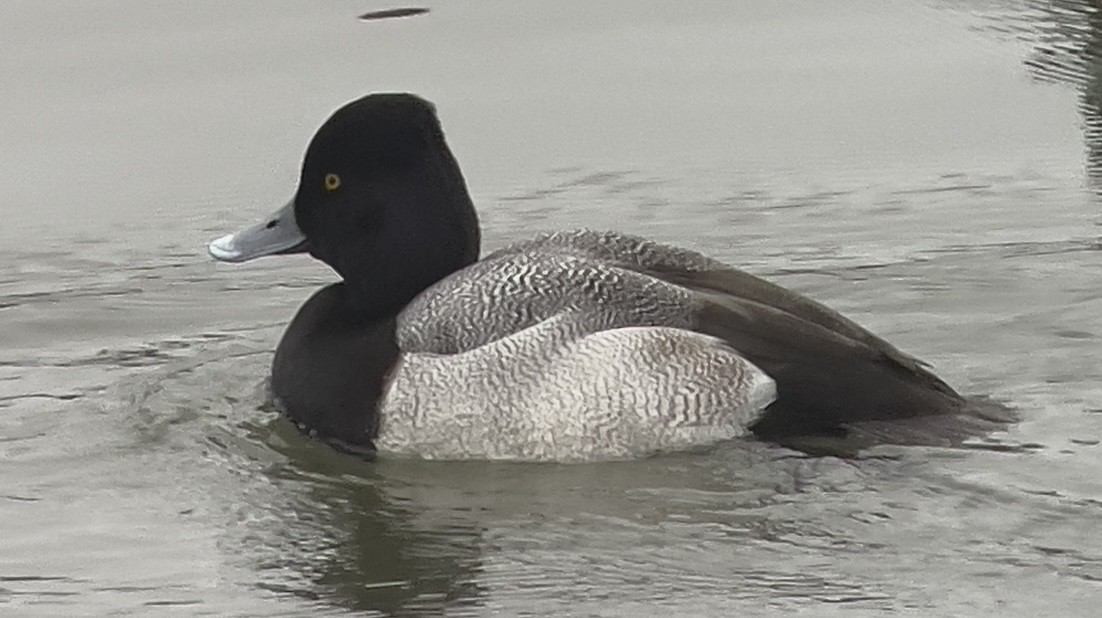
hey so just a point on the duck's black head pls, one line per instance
(380, 199)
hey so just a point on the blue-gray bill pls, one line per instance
(275, 235)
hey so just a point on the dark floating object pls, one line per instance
(392, 13)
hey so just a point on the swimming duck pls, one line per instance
(573, 346)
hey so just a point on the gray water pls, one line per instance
(931, 169)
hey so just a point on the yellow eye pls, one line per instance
(332, 182)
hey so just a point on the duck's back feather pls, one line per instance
(831, 373)
(505, 293)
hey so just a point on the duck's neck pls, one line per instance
(331, 368)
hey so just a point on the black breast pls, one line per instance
(331, 367)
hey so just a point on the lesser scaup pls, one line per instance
(573, 346)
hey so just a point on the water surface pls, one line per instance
(928, 168)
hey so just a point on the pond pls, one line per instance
(931, 169)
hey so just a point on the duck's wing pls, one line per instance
(831, 373)
(571, 389)
(699, 273)
(826, 379)
(742, 288)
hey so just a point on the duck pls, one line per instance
(576, 345)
